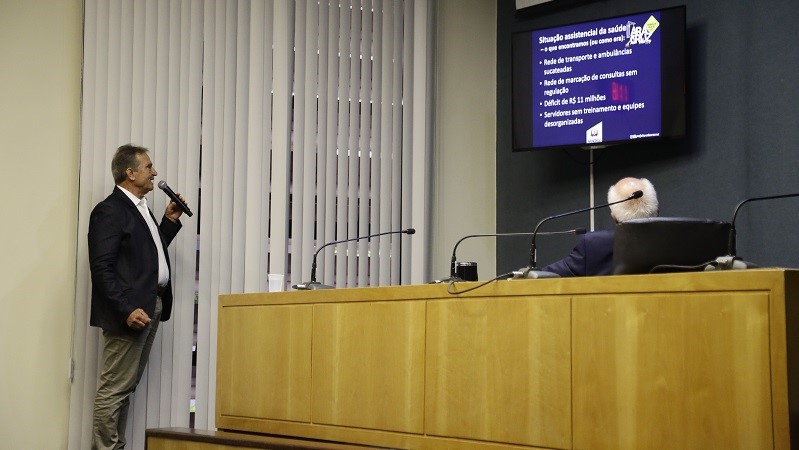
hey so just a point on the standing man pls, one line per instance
(131, 289)
(593, 254)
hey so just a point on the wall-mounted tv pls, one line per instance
(602, 82)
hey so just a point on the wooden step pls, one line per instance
(195, 439)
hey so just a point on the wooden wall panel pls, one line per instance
(690, 370)
(264, 362)
(369, 365)
(500, 370)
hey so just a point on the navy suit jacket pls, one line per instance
(124, 263)
(593, 255)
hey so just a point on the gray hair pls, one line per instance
(646, 206)
(124, 158)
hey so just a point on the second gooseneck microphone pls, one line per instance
(731, 244)
(731, 260)
(168, 191)
(453, 276)
(531, 270)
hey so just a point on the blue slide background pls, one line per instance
(642, 88)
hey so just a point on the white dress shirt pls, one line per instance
(141, 205)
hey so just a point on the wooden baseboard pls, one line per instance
(177, 439)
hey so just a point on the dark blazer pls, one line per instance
(124, 263)
(593, 255)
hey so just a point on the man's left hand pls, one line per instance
(173, 211)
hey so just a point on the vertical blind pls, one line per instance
(286, 124)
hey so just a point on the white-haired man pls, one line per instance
(593, 254)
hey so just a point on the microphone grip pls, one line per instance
(174, 197)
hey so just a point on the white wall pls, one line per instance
(464, 181)
(40, 54)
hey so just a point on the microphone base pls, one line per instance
(447, 280)
(527, 273)
(311, 286)
(729, 263)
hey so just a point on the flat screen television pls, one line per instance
(602, 82)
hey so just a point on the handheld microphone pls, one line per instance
(531, 270)
(454, 277)
(181, 204)
(313, 284)
(731, 260)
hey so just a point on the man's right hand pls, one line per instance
(138, 319)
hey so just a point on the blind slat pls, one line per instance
(300, 254)
(330, 215)
(353, 156)
(364, 149)
(300, 125)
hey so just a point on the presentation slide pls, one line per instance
(597, 82)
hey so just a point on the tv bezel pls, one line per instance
(674, 121)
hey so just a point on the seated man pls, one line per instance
(593, 254)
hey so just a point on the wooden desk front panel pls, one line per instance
(499, 369)
(676, 370)
(265, 368)
(369, 365)
(674, 360)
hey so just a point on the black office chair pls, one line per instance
(668, 244)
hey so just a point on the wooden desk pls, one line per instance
(693, 360)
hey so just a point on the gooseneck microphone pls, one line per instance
(452, 272)
(313, 284)
(731, 245)
(181, 204)
(531, 270)
(731, 260)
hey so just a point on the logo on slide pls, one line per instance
(641, 35)
(594, 134)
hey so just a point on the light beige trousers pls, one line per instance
(124, 359)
